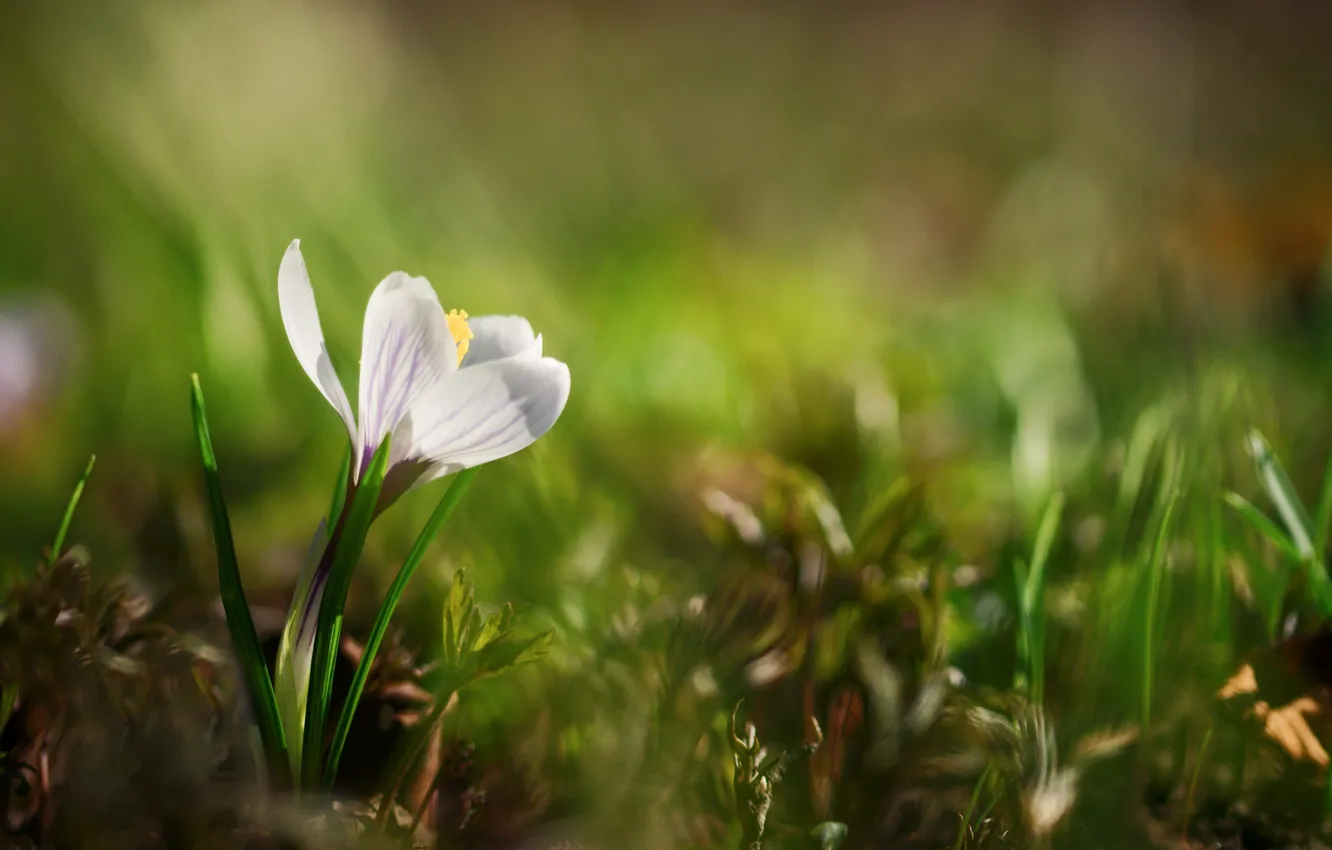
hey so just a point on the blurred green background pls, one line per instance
(990, 231)
(968, 243)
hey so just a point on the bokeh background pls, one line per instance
(968, 243)
(988, 226)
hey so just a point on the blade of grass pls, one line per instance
(1262, 524)
(244, 638)
(971, 807)
(1282, 493)
(1041, 551)
(1150, 433)
(1298, 526)
(343, 552)
(1032, 586)
(1219, 598)
(68, 519)
(1156, 565)
(452, 497)
(340, 487)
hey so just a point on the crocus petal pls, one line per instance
(406, 348)
(486, 412)
(300, 316)
(497, 337)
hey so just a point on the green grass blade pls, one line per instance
(1282, 493)
(340, 487)
(65, 522)
(1301, 530)
(1040, 554)
(971, 806)
(1031, 586)
(452, 497)
(326, 655)
(1262, 524)
(343, 552)
(1146, 444)
(1157, 567)
(244, 638)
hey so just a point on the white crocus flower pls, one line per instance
(454, 393)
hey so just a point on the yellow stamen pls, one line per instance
(457, 320)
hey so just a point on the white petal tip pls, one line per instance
(293, 259)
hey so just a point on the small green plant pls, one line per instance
(472, 649)
(1302, 540)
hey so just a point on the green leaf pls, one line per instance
(536, 649)
(1157, 566)
(343, 552)
(65, 522)
(244, 639)
(441, 514)
(1261, 523)
(1149, 433)
(1035, 578)
(494, 626)
(1288, 505)
(1282, 493)
(340, 486)
(473, 650)
(458, 608)
(1031, 590)
(509, 651)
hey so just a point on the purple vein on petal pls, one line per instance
(320, 578)
(388, 398)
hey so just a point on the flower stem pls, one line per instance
(442, 512)
(339, 561)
